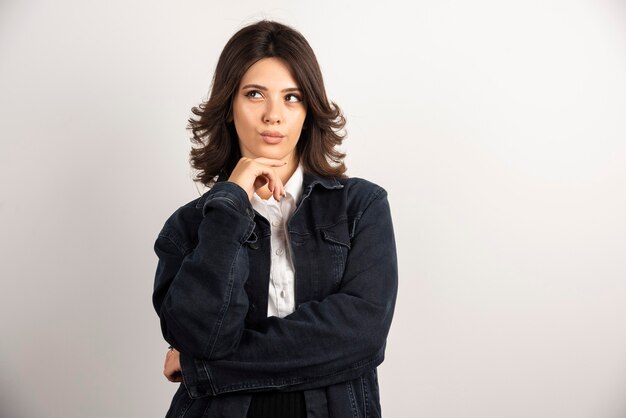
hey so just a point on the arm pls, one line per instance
(321, 343)
(199, 293)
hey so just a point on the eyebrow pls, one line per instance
(263, 88)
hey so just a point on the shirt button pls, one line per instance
(280, 251)
(282, 293)
(275, 223)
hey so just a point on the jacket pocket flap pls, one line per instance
(337, 233)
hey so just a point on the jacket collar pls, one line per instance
(311, 180)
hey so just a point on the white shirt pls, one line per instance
(281, 300)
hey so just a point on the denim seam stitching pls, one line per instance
(330, 225)
(185, 408)
(329, 237)
(365, 397)
(355, 413)
(209, 377)
(226, 199)
(176, 241)
(339, 264)
(373, 196)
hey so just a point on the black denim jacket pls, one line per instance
(211, 291)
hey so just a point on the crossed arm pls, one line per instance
(202, 305)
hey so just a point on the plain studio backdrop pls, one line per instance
(497, 127)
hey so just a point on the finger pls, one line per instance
(278, 192)
(271, 184)
(168, 368)
(170, 374)
(167, 356)
(274, 184)
(175, 378)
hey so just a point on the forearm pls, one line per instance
(321, 343)
(201, 300)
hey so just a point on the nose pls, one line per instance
(273, 112)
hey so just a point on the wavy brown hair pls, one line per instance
(215, 148)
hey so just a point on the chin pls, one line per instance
(274, 154)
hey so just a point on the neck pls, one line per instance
(287, 170)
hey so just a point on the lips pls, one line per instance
(272, 137)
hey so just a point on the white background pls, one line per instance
(497, 127)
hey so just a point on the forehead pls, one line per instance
(270, 72)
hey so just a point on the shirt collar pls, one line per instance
(294, 184)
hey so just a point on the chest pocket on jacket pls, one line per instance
(337, 240)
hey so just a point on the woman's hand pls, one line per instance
(172, 369)
(254, 173)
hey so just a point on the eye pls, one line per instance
(254, 94)
(293, 98)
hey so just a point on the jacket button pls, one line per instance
(253, 245)
(252, 307)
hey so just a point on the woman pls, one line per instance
(275, 288)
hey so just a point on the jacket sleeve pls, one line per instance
(321, 343)
(198, 293)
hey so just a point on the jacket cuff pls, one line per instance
(232, 194)
(195, 377)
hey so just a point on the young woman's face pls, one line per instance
(268, 111)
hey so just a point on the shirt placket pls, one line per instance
(278, 256)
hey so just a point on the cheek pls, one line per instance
(299, 121)
(242, 120)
